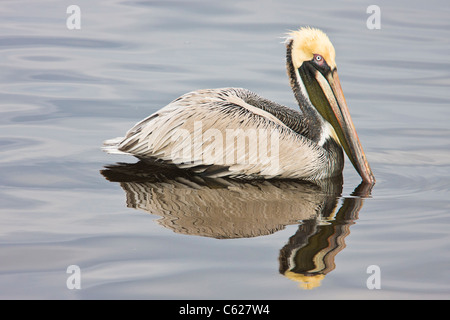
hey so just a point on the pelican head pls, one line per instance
(315, 82)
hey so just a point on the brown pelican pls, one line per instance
(232, 132)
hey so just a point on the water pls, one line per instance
(64, 91)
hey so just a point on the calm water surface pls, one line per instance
(135, 233)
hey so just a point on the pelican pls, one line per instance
(201, 130)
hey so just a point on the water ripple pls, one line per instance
(8, 42)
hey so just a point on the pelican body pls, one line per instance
(193, 131)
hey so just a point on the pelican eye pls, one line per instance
(318, 59)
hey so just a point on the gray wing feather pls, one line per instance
(176, 134)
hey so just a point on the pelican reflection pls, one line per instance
(227, 209)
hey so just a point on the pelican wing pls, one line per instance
(225, 132)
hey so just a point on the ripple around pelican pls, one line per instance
(411, 181)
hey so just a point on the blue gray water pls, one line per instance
(62, 92)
